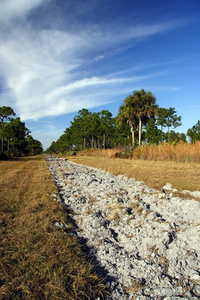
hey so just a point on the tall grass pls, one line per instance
(182, 152)
(109, 153)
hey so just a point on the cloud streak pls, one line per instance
(42, 68)
(12, 9)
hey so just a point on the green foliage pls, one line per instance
(15, 136)
(122, 136)
(71, 153)
(100, 130)
(136, 111)
(152, 134)
(127, 115)
(161, 119)
(162, 116)
(168, 118)
(175, 137)
(6, 114)
(34, 147)
(88, 130)
(145, 106)
(194, 133)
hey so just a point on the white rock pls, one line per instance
(168, 187)
(147, 243)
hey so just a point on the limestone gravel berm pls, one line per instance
(146, 243)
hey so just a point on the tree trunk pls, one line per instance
(2, 137)
(104, 140)
(132, 134)
(162, 132)
(168, 134)
(140, 131)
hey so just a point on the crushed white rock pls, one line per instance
(146, 243)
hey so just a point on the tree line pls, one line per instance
(15, 138)
(139, 121)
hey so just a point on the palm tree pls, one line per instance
(126, 113)
(144, 106)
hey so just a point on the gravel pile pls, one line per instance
(145, 242)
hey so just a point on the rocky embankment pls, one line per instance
(145, 242)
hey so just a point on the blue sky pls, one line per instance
(59, 56)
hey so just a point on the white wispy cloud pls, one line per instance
(40, 67)
(11, 9)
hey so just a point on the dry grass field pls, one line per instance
(154, 173)
(37, 260)
(181, 152)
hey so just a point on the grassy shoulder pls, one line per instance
(37, 260)
(155, 174)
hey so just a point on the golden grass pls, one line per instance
(37, 260)
(155, 174)
(182, 152)
(110, 153)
